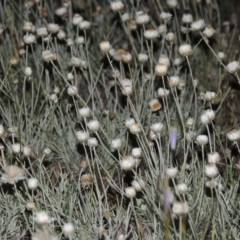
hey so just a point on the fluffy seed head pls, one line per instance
(180, 208)
(68, 229)
(233, 67)
(211, 170)
(142, 18)
(116, 143)
(93, 125)
(130, 192)
(53, 28)
(198, 25)
(105, 46)
(213, 158)
(185, 50)
(42, 218)
(128, 163)
(117, 6)
(233, 135)
(202, 140)
(151, 34)
(161, 69)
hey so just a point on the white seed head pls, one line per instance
(72, 91)
(185, 50)
(162, 92)
(27, 71)
(129, 122)
(47, 151)
(27, 26)
(135, 128)
(127, 87)
(182, 188)
(163, 59)
(42, 32)
(16, 147)
(29, 39)
(77, 18)
(79, 40)
(42, 218)
(202, 140)
(105, 46)
(161, 69)
(213, 158)
(61, 35)
(76, 62)
(221, 55)
(48, 56)
(82, 136)
(210, 114)
(125, 17)
(53, 28)
(189, 122)
(198, 25)
(233, 135)
(116, 144)
(84, 112)
(150, 34)
(187, 18)
(138, 185)
(233, 67)
(84, 25)
(172, 3)
(127, 57)
(142, 18)
(157, 127)
(93, 125)
(174, 81)
(162, 29)
(211, 171)
(121, 237)
(172, 172)
(128, 163)
(27, 151)
(117, 6)
(70, 76)
(130, 192)
(170, 37)
(177, 61)
(165, 16)
(210, 96)
(142, 57)
(92, 142)
(68, 229)
(136, 152)
(209, 31)
(205, 119)
(32, 183)
(180, 208)
(62, 11)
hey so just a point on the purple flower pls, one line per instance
(173, 138)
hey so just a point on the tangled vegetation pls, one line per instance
(119, 120)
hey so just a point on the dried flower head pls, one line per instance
(198, 25)
(155, 105)
(13, 174)
(86, 180)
